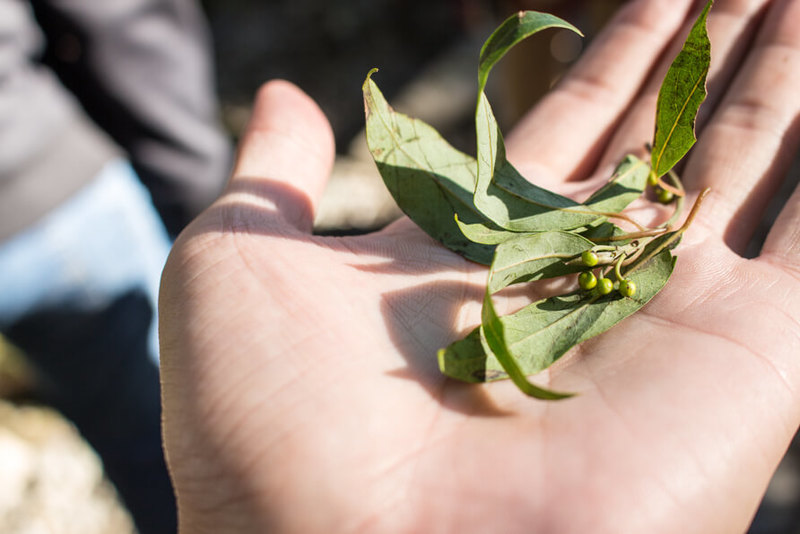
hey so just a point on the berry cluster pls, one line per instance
(588, 281)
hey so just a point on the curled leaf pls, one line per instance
(513, 30)
(507, 198)
(493, 341)
(625, 186)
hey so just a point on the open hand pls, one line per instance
(301, 392)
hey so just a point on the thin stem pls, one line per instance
(678, 232)
(626, 218)
(678, 192)
(631, 235)
(675, 180)
(638, 252)
(692, 214)
(617, 267)
(679, 203)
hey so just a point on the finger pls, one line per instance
(783, 242)
(564, 135)
(747, 147)
(285, 154)
(731, 25)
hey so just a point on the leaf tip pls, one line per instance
(366, 90)
(538, 392)
(368, 79)
(561, 396)
(442, 360)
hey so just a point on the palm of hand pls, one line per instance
(301, 387)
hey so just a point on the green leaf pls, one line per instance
(625, 186)
(682, 92)
(536, 256)
(515, 28)
(493, 341)
(467, 361)
(529, 257)
(484, 209)
(431, 181)
(601, 230)
(540, 333)
(502, 194)
(508, 199)
(485, 234)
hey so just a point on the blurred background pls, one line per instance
(50, 480)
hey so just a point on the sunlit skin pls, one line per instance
(300, 386)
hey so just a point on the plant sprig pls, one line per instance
(485, 210)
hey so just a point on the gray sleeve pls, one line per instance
(32, 103)
(142, 69)
(48, 148)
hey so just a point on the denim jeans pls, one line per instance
(78, 296)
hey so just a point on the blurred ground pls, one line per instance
(51, 482)
(426, 51)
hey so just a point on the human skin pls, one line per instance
(300, 386)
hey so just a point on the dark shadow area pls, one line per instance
(327, 48)
(750, 225)
(112, 395)
(422, 366)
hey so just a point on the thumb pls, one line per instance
(285, 154)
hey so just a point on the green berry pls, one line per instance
(589, 258)
(587, 280)
(605, 286)
(664, 196)
(627, 288)
(652, 179)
